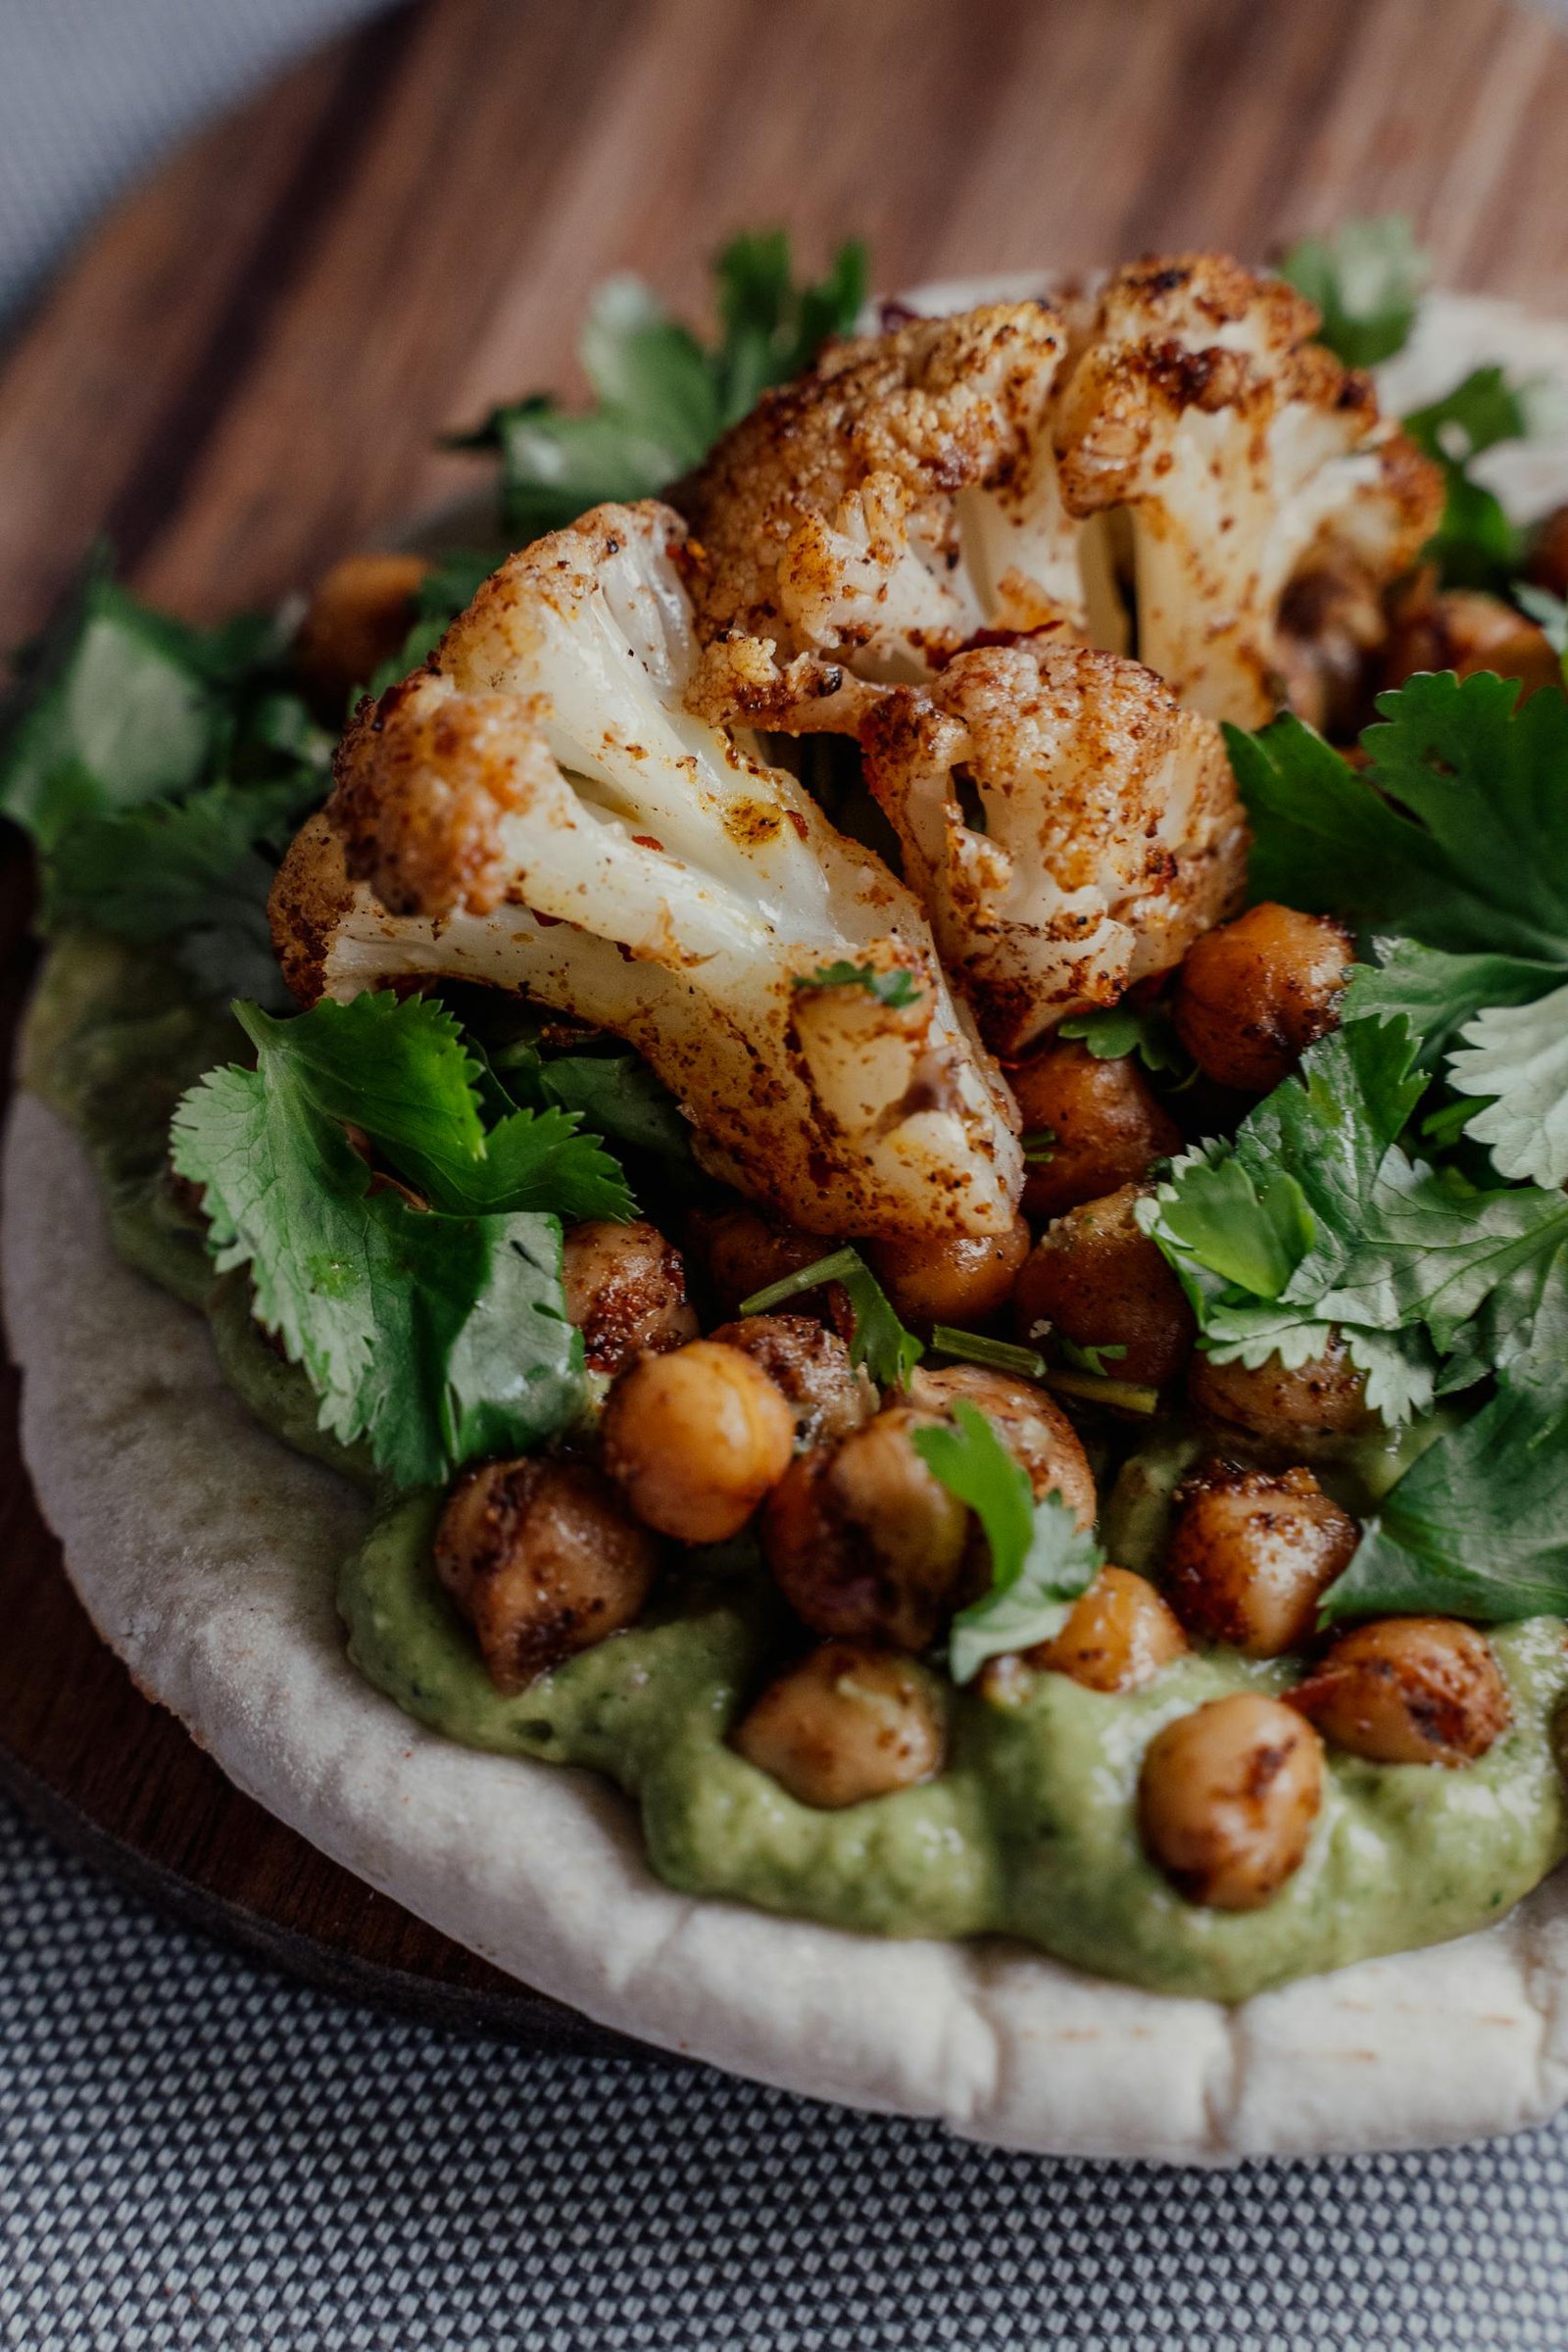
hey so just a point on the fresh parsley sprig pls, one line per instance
(1040, 1559)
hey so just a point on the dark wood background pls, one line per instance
(241, 374)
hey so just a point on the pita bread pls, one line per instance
(206, 1555)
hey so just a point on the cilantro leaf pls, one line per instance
(1366, 279)
(618, 1097)
(1478, 1527)
(438, 1337)
(399, 1071)
(1516, 1055)
(896, 988)
(1456, 832)
(196, 872)
(1437, 994)
(1114, 1030)
(1250, 1232)
(1397, 1256)
(1476, 545)
(1040, 1559)
(879, 1340)
(663, 398)
(115, 711)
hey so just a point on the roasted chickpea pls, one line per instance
(1106, 1124)
(963, 1280)
(1465, 629)
(626, 1293)
(543, 1560)
(1548, 564)
(866, 1543)
(1252, 995)
(810, 1366)
(696, 1438)
(847, 1723)
(1252, 1552)
(1308, 1410)
(1118, 1636)
(1032, 1424)
(358, 617)
(1409, 1690)
(1099, 1281)
(1332, 622)
(745, 1251)
(1227, 1797)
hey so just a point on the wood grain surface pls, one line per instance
(243, 371)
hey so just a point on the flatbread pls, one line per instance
(205, 1553)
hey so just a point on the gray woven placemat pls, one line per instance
(196, 2153)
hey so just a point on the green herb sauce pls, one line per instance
(1030, 1831)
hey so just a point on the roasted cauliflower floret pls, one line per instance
(1245, 454)
(862, 524)
(536, 808)
(1107, 834)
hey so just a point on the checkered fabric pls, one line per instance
(197, 2153)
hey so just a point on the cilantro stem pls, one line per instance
(832, 1268)
(1125, 1394)
(973, 1347)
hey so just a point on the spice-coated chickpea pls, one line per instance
(1251, 996)
(865, 1541)
(696, 1438)
(962, 1280)
(626, 1290)
(1302, 1409)
(850, 1722)
(1548, 562)
(1252, 1552)
(1332, 626)
(810, 1366)
(1409, 1690)
(356, 618)
(543, 1559)
(1030, 1424)
(1118, 1635)
(1227, 1797)
(746, 1252)
(1107, 1127)
(1099, 1280)
(1463, 630)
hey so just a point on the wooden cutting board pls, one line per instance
(242, 373)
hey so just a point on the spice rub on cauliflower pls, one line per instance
(1248, 458)
(871, 517)
(1106, 838)
(536, 808)
(1177, 467)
